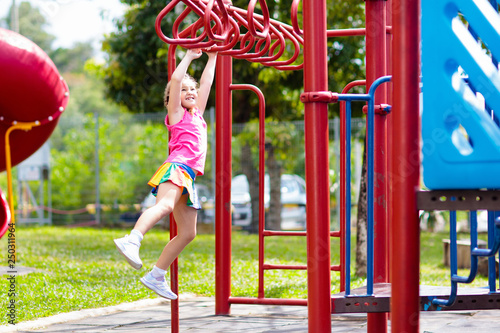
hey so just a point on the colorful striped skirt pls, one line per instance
(180, 175)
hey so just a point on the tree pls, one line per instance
(136, 71)
(73, 59)
(32, 25)
(362, 221)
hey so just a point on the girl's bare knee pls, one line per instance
(188, 237)
(164, 208)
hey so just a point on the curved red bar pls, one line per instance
(296, 39)
(258, 45)
(295, 21)
(225, 21)
(5, 216)
(176, 40)
(191, 31)
(294, 57)
(160, 17)
(279, 42)
(246, 38)
(250, 19)
(193, 27)
(264, 34)
(232, 38)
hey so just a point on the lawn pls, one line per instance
(79, 268)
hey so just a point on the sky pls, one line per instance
(72, 21)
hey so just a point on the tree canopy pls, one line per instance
(32, 25)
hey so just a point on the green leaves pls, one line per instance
(136, 72)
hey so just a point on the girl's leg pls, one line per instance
(185, 217)
(168, 195)
(128, 246)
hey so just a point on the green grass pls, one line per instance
(432, 269)
(80, 268)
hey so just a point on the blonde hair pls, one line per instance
(167, 88)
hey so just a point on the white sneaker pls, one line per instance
(130, 251)
(159, 287)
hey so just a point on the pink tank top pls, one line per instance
(188, 141)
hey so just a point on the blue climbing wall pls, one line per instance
(461, 94)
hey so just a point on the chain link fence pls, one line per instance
(99, 167)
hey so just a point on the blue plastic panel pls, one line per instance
(461, 92)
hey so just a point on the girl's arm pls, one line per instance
(207, 78)
(174, 106)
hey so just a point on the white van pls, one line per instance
(293, 201)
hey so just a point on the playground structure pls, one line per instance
(34, 95)
(461, 169)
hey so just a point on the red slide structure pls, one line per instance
(5, 216)
(32, 97)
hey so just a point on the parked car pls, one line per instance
(207, 212)
(293, 201)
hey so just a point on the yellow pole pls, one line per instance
(8, 168)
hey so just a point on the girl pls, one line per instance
(173, 182)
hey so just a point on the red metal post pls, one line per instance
(317, 177)
(389, 133)
(405, 233)
(375, 68)
(174, 268)
(223, 156)
(262, 171)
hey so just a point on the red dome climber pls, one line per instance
(31, 90)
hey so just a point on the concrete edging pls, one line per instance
(82, 314)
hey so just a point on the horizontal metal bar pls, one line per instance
(284, 233)
(346, 32)
(381, 303)
(267, 301)
(335, 268)
(296, 267)
(294, 233)
(354, 97)
(458, 200)
(360, 304)
(319, 96)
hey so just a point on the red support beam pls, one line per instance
(317, 177)
(376, 66)
(262, 169)
(405, 233)
(174, 267)
(389, 135)
(223, 156)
